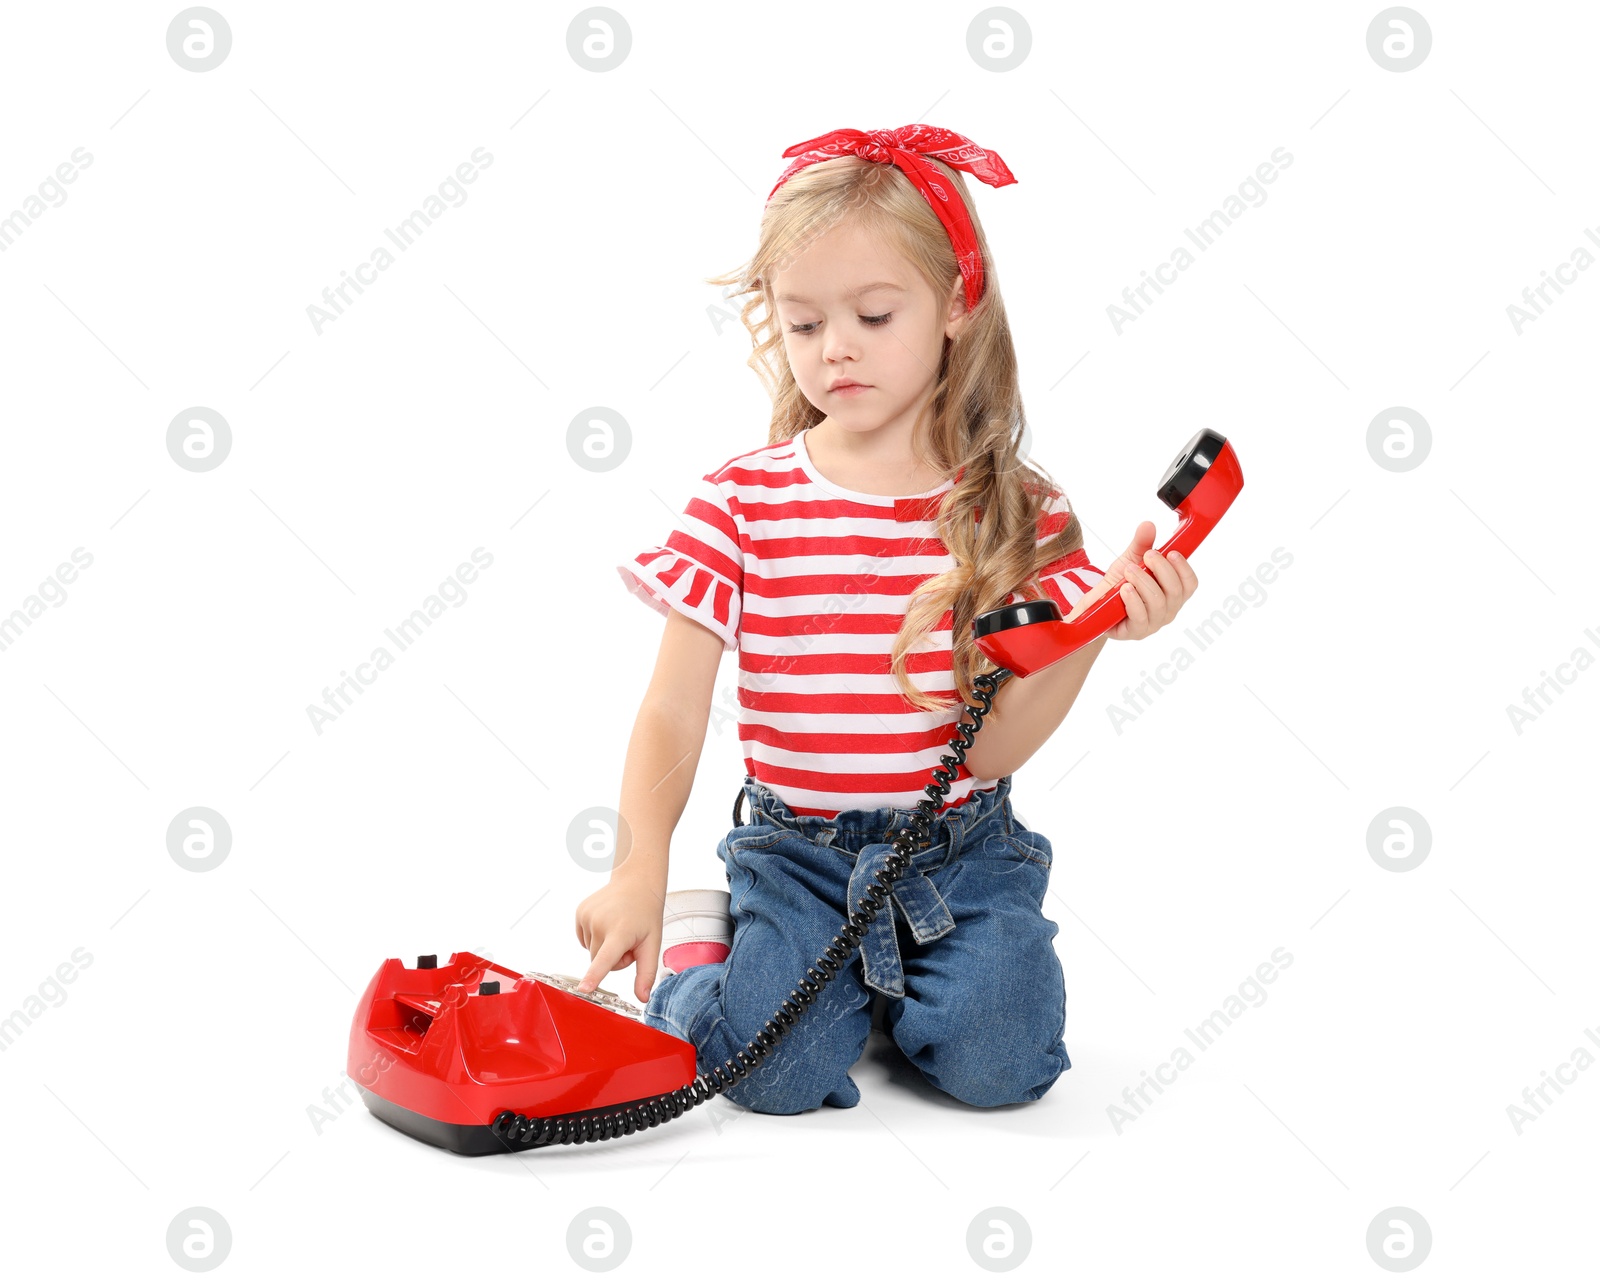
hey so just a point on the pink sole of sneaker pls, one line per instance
(687, 954)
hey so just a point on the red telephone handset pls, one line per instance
(1200, 484)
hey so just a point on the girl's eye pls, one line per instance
(874, 321)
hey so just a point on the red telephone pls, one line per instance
(445, 1055)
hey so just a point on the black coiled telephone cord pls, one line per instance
(521, 1131)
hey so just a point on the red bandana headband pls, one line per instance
(906, 147)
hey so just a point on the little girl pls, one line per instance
(845, 561)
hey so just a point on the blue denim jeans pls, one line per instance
(977, 998)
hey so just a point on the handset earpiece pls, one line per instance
(1200, 484)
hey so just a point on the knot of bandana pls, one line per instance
(907, 147)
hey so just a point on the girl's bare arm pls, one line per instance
(620, 924)
(664, 751)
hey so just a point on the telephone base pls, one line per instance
(462, 1139)
(443, 1053)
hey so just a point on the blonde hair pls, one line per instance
(977, 416)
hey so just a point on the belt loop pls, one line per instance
(969, 822)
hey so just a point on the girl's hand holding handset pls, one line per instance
(1153, 587)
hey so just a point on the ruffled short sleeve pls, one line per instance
(1072, 576)
(699, 570)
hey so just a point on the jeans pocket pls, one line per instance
(741, 854)
(741, 857)
(1030, 846)
(1018, 862)
(760, 838)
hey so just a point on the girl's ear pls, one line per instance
(956, 313)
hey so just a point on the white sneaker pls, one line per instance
(698, 921)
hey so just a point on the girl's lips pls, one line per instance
(850, 390)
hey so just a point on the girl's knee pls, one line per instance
(980, 1050)
(805, 1069)
(983, 1079)
(790, 1093)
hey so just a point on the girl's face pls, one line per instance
(853, 309)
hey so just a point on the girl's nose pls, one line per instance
(839, 345)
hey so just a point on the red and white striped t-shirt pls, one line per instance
(810, 582)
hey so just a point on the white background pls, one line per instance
(431, 418)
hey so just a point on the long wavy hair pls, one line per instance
(977, 419)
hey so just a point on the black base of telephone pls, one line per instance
(462, 1139)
